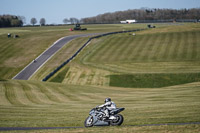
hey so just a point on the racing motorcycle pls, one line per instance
(97, 117)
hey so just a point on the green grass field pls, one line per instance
(38, 104)
(169, 49)
(17, 53)
(154, 75)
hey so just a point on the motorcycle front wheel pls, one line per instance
(118, 121)
(89, 121)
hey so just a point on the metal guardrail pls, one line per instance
(79, 50)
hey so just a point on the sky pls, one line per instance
(54, 11)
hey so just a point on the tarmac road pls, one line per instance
(46, 128)
(30, 69)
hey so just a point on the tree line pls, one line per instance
(71, 20)
(18, 21)
(10, 21)
(115, 17)
(145, 14)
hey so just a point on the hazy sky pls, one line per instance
(54, 11)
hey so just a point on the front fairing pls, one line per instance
(92, 111)
(96, 115)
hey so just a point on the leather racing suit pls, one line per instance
(109, 106)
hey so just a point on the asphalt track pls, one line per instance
(32, 67)
(47, 128)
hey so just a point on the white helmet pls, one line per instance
(107, 100)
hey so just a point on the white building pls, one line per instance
(128, 21)
(123, 22)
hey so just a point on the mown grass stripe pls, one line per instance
(47, 92)
(85, 80)
(198, 46)
(107, 52)
(67, 76)
(39, 92)
(113, 51)
(11, 95)
(7, 53)
(100, 49)
(171, 47)
(113, 46)
(5, 45)
(163, 45)
(173, 44)
(138, 40)
(182, 53)
(124, 50)
(118, 46)
(170, 37)
(177, 43)
(185, 46)
(144, 53)
(29, 94)
(139, 44)
(69, 95)
(152, 48)
(127, 49)
(180, 48)
(3, 99)
(191, 42)
(194, 47)
(143, 48)
(61, 98)
(157, 53)
(21, 95)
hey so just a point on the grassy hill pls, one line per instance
(170, 53)
(39, 104)
(120, 66)
(17, 53)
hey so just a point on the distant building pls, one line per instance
(123, 22)
(128, 21)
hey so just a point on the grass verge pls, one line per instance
(153, 80)
(60, 76)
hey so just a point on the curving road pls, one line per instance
(30, 69)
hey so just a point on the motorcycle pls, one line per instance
(97, 117)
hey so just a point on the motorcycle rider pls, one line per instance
(109, 105)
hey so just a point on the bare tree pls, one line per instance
(42, 21)
(33, 21)
(66, 20)
(23, 19)
(74, 20)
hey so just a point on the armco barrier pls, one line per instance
(79, 50)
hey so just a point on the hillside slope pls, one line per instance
(167, 52)
(39, 104)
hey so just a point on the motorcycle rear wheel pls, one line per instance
(118, 121)
(89, 121)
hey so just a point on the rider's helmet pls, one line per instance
(107, 100)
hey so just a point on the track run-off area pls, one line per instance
(48, 128)
(37, 63)
(29, 70)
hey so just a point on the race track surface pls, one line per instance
(29, 70)
(46, 128)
